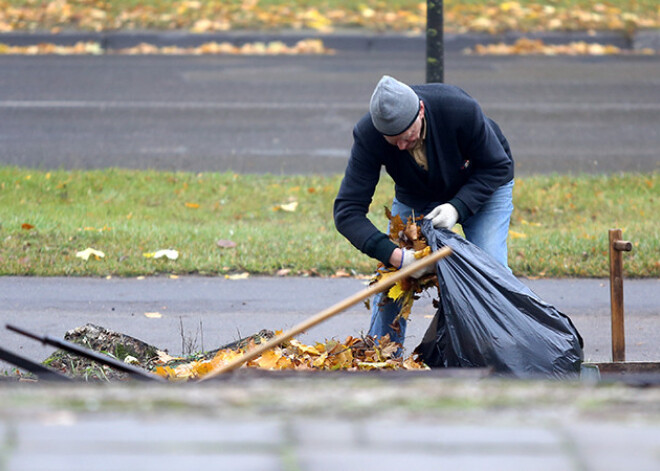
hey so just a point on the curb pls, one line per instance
(341, 40)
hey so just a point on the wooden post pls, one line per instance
(616, 293)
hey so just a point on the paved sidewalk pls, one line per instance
(331, 423)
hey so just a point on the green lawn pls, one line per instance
(559, 227)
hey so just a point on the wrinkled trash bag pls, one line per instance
(488, 318)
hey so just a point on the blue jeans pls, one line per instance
(487, 229)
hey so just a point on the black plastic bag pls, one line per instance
(488, 318)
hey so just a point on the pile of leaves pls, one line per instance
(525, 46)
(304, 46)
(354, 354)
(406, 235)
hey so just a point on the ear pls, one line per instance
(421, 108)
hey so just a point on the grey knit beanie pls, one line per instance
(394, 106)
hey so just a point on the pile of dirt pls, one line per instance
(126, 349)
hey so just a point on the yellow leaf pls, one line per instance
(268, 360)
(169, 253)
(85, 254)
(202, 368)
(423, 253)
(238, 276)
(166, 372)
(289, 207)
(192, 205)
(396, 292)
(525, 222)
(343, 359)
(375, 365)
(320, 361)
(517, 235)
(302, 348)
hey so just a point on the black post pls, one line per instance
(435, 51)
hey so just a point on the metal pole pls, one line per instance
(133, 371)
(435, 51)
(616, 293)
(35, 368)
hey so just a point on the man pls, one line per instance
(448, 161)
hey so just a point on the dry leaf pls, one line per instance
(289, 207)
(407, 236)
(169, 253)
(517, 235)
(226, 244)
(395, 292)
(238, 276)
(27, 226)
(90, 252)
(153, 315)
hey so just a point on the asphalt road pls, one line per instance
(295, 114)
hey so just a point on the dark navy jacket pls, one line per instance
(468, 159)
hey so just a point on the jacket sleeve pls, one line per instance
(354, 198)
(482, 143)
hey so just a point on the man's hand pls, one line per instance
(444, 215)
(407, 258)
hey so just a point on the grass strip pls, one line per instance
(559, 226)
(488, 16)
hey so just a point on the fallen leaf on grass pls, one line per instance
(517, 235)
(192, 205)
(27, 226)
(90, 252)
(226, 244)
(288, 207)
(169, 253)
(527, 223)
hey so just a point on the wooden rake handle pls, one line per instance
(382, 285)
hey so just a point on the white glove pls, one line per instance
(408, 257)
(444, 215)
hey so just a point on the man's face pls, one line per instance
(408, 138)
